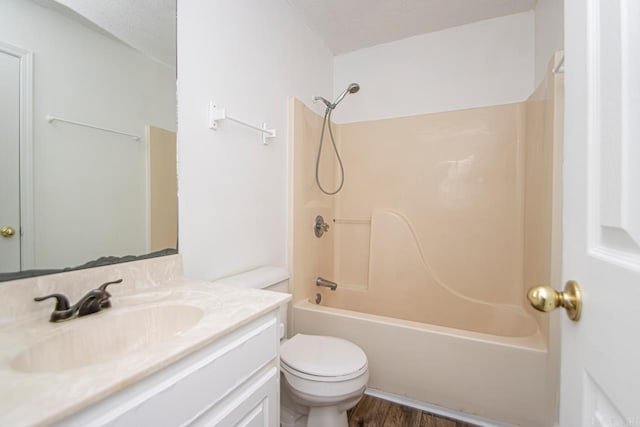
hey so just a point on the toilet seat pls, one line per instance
(322, 358)
(288, 369)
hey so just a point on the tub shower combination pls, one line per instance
(440, 223)
(426, 342)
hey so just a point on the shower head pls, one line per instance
(352, 88)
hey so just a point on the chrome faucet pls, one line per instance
(94, 301)
(326, 283)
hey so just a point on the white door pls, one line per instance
(9, 162)
(600, 374)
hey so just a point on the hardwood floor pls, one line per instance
(374, 412)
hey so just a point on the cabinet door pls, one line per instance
(256, 405)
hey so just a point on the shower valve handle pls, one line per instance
(320, 226)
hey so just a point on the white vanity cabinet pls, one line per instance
(233, 381)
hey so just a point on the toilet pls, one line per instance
(321, 377)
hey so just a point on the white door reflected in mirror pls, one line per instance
(9, 161)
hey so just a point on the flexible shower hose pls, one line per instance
(327, 119)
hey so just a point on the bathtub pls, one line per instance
(487, 371)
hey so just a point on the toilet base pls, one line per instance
(296, 412)
(288, 418)
(322, 416)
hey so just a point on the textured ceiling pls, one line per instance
(347, 25)
(146, 25)
(344, 25)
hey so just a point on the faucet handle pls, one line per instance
(104, 301)
(103, 287)
(320, 227)
(62, 303)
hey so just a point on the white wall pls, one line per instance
(249, 56)
(480, 64)
(89, 186)
(549, 34)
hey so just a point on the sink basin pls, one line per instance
(90, 340)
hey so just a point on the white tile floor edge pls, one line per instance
(434, 409)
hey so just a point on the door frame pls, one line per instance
(27, 235)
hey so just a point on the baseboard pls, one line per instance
(434, 409)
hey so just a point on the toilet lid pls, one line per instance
(322, 356)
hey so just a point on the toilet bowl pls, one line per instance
(321, 377)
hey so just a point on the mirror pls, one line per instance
(87, 131)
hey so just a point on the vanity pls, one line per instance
(170, 351)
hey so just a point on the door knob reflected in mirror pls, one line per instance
(7, 231)
(545, 298)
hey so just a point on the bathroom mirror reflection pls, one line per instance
(99, 179)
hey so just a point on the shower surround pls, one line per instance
(443, 222)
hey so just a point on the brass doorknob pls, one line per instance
(545, 298)
(7, 231)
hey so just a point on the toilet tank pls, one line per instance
(268, 278)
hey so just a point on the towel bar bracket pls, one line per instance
(216, 114)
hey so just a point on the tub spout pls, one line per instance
(326, 283)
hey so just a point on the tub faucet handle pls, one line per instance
(320, 226)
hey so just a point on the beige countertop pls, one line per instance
(40, 389)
